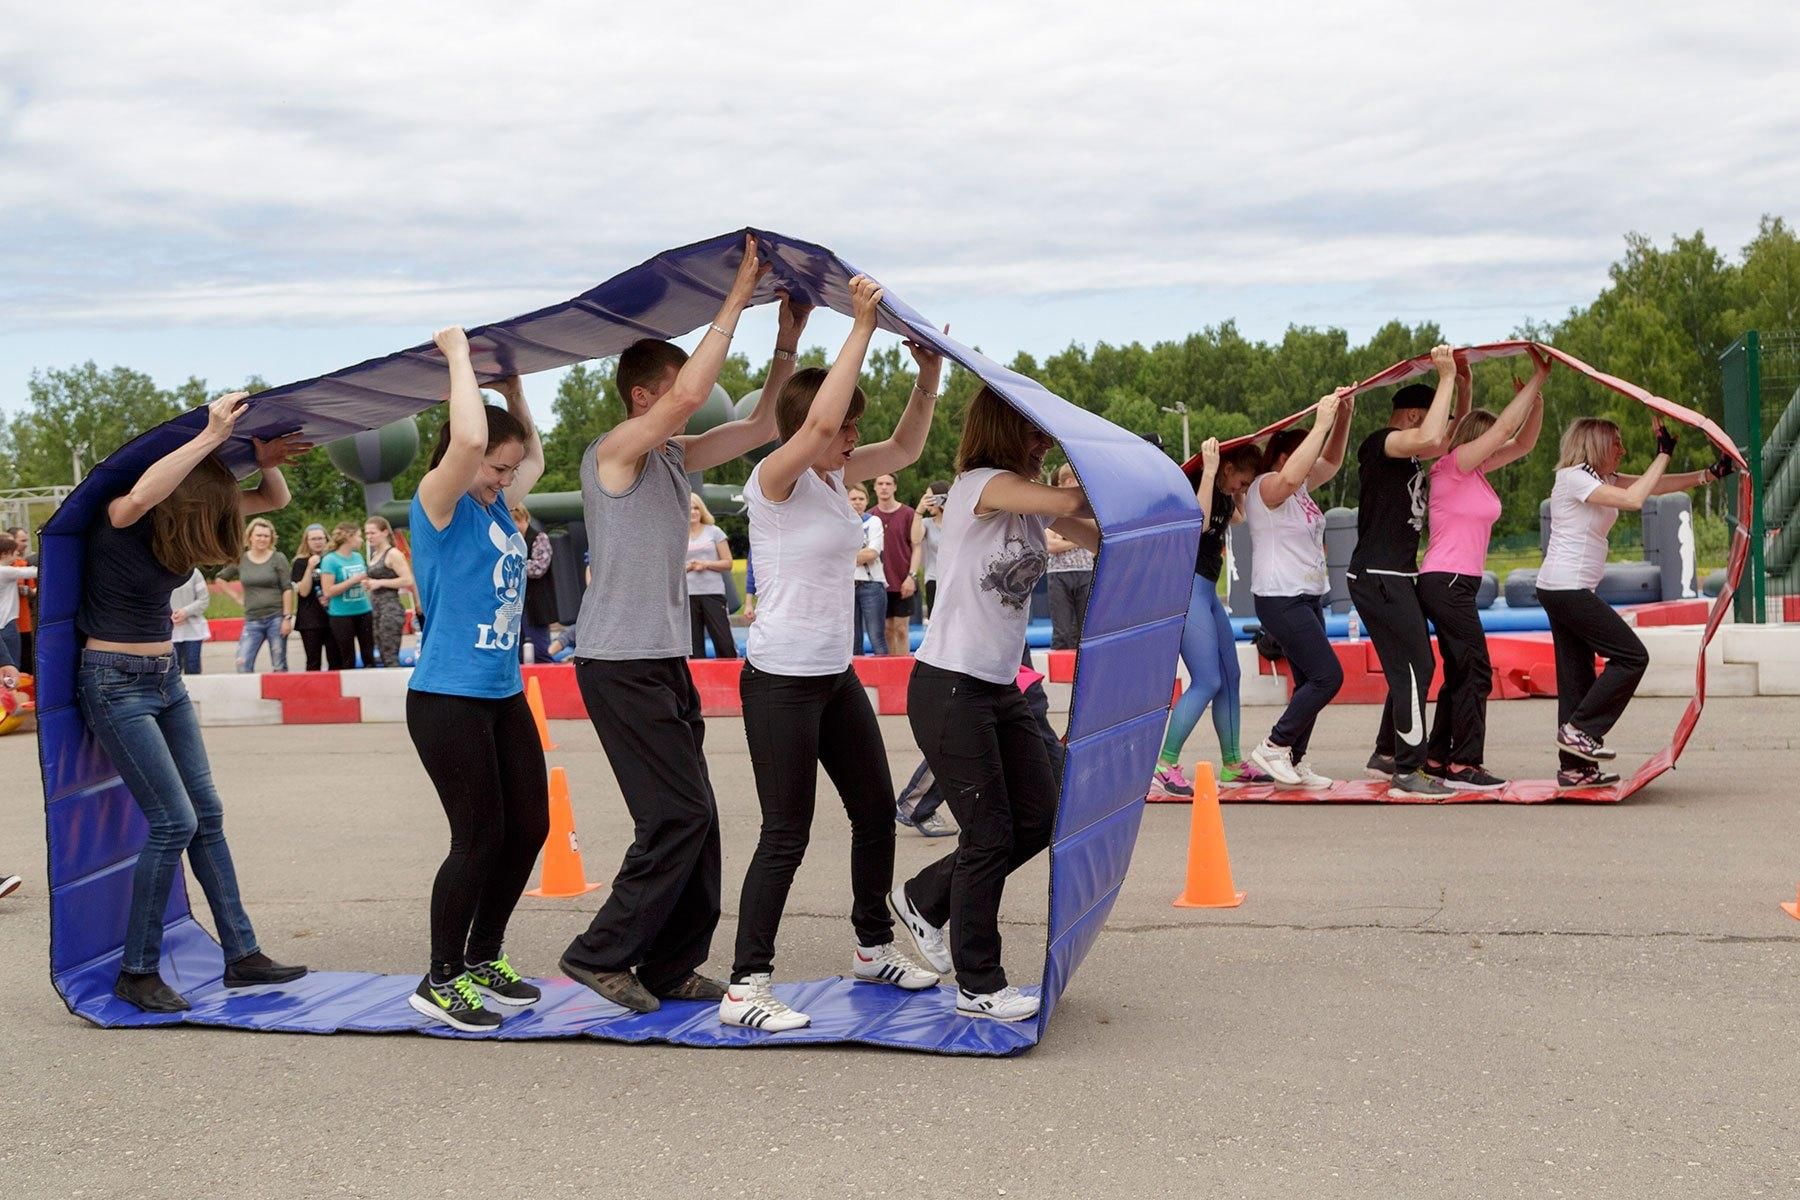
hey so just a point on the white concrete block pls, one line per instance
(231, 700)
(874, 696)
(1060, 695)
(1263, 689)
(378, 683)
(1778, 677)
(1760, 644)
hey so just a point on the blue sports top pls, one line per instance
(471, 579)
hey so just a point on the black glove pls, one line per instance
(1665, 440)
(1722, 468)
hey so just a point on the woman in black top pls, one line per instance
(311, 621)
(1384, 571)
(184, 511)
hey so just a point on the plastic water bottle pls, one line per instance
(1355, 627)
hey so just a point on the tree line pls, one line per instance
(1665, 315)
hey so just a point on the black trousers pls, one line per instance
(1068, 591)
(1037, 701)
(1582, 626)
(983, 745)
(484, 759)
(349, 634)
(1388, 606)
(707, 616)
(664, 903)
(795, 725)
(1298, 623)
(1459, 727)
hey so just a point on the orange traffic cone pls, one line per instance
(563, 873)
(1792, 907)
(534, 697)
(1209, 865)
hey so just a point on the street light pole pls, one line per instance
(1182, 408)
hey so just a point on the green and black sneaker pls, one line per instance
(456, 1003)
(501, 984)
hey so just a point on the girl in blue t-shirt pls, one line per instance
(465, 706)
(347, 603)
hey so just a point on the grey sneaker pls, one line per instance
(1381, 766)
(1418, 786)
(620, 987)
(937, 825)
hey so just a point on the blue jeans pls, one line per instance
(188, 655)
(1209, 648)
(871, 616)
(139, 712)
(9, 637)
(256, 632)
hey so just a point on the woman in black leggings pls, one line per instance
(804, 706)
(465, 703)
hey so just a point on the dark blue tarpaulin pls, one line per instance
(1121, 693)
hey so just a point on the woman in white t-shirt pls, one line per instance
(1584, 503)
(1288, 581)
(804, 705)
(708, 560)
(968, 716)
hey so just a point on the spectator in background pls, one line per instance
(708, 560)
(1071, 576)
(187, 608)
(9, 679)
(896, 562)
(23, 557)
(871, 580)
(540, 586)
(13, 579)
(927, 532)
(346, 599)
(268, 580)
(390, 576)
(310, 618)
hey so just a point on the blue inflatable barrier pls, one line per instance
(1121, 694)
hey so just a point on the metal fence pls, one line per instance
(1761, 377)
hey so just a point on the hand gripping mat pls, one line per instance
(1538, 791)
(1121, 693)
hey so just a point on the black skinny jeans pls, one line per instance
(1459, 727)
(1581, 626)
(795, 725)
(484, 758)
(1298, 623)
(664, 904)
(1389, 608)
(707, 617)
(349, 634)
(983, 745)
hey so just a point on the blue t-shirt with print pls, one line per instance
(471, 580)
(351, 602)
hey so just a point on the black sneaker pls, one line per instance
(1582, 745)
(497, 981)
(255, 970)
(149, 993)
(1418, 786)
(1381, 766)
(694, 986)
(1585, 776)
(456, 1003)
(1434, 770)
(620, 987)
(1468, 779)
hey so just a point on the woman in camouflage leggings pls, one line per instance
(389, 576)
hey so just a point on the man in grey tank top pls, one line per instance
(632, 641)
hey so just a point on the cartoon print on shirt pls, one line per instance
(1416, 491)
(509, 591)
(1013, 572)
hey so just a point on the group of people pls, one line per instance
(1423, 474)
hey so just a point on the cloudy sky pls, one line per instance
(190, 190)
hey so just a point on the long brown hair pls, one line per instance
(198, 524)
(1475, 422)
(344, 531)
(795, 401)
(502, 427)
(995, 434)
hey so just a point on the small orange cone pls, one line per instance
(534, 697)
(1209, 865)
(1792, 907)
(563, 873)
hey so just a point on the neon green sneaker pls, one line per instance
(501, 984)
(1242, 774)
(456, 1004)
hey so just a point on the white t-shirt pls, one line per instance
(987, 567)
(193, 597)
(1575, 558)
(1287, 544)
(869, 572)
(805, 550)
(701, 547)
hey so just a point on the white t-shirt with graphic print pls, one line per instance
(1575, 558)
(987, 567)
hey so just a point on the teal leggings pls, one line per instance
(1209, 649)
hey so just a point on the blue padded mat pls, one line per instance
(1122, 686)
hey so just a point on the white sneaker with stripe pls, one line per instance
(1007, 1004)
(753, 1005)
(888, 964)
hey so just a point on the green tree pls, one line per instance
(83, 412)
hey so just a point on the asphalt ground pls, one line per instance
(1467, 1001)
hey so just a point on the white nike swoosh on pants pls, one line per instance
(1413, 736)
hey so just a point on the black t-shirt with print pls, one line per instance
(1390, 512)
(1210, 559)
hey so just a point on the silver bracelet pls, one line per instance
(920, 388)
(784, 355)
(721, 331)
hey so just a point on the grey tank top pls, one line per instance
(636, 603)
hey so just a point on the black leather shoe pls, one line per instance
(621, 987)
(149, 993)
(694, 986)
(255, 970)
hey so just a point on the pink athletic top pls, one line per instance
(1461, 515)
